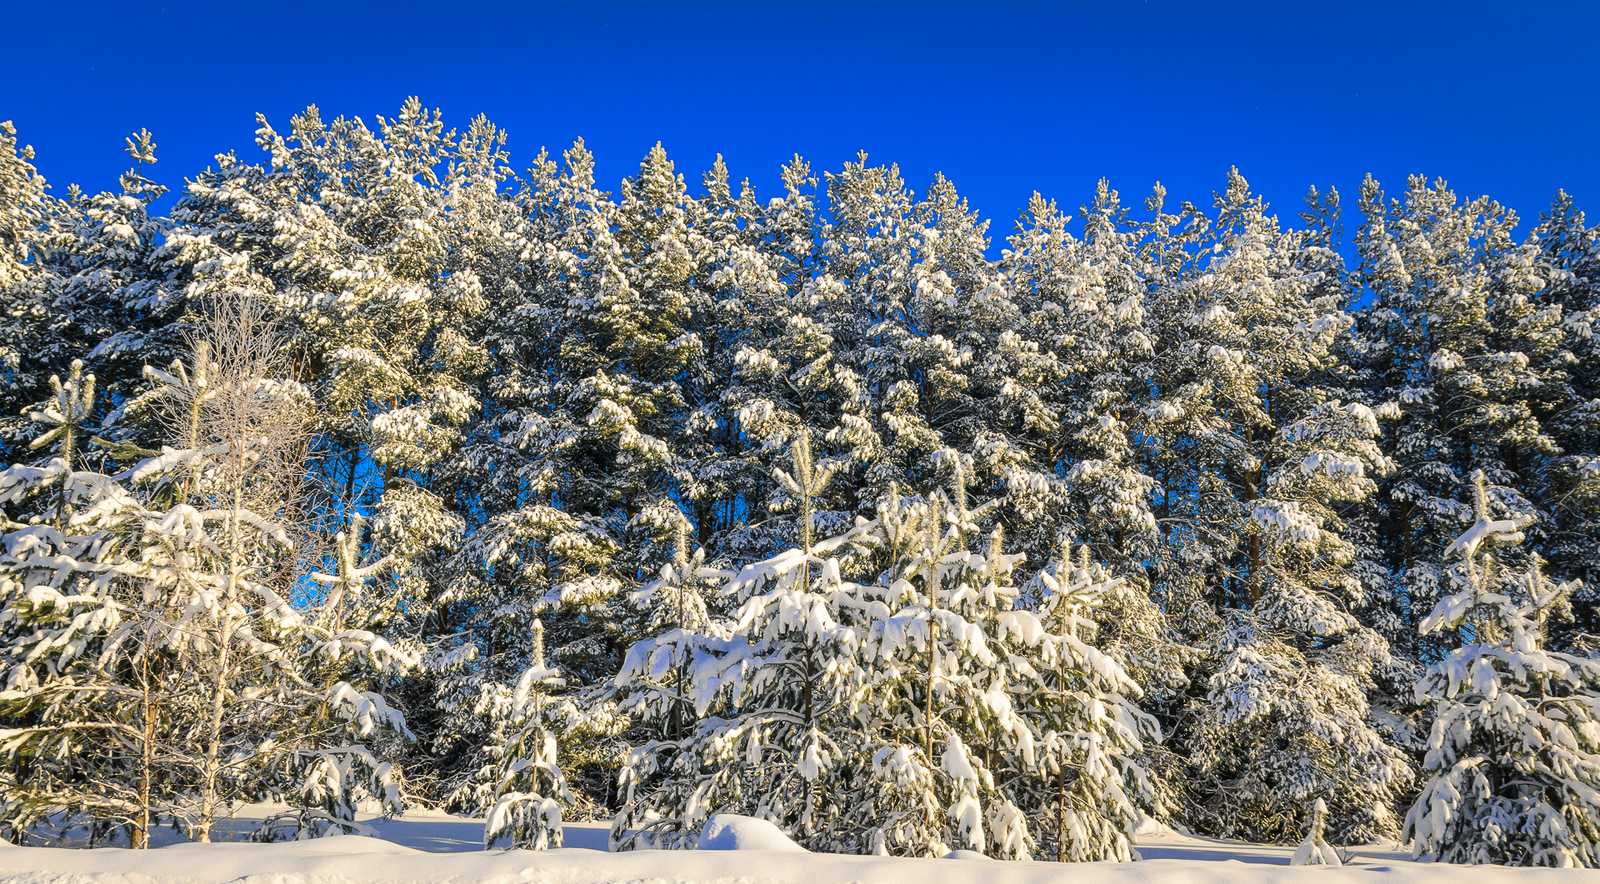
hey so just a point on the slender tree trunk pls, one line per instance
(933, 663)
(1061, 778)
(1252, 491)
(211, 763)
(1061, 813)
(147, 760)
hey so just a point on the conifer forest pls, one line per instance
(385, 471)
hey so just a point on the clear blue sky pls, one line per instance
(1005, 98)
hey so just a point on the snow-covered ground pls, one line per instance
(429, 848)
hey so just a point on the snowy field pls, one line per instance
(424, 847)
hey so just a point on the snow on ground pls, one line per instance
(430, 848)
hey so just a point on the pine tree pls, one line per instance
(70, 742)
(1091, 788)
(113, 295)
(1073, 373)
(1457, 352)
(151, 608)
(517, 396)
(1315, 850)
(932, 679)
(771, 693)
(530, 780)
(772, 362)
(1513, 761)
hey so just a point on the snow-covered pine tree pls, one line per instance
(773, 693)
(27, 208)
(1077, 408)
(114, 294)
(535, 561)
(1455, 354)
(552, 374)
(324, 774)
(772, 359)
(77, 722)
(676, 601)
(1089, 789)
(933, 677)
(1246, 316)
(631, 347)
(1238, 336)
(1513, 761)
(384, 248)
(910, 300)
(529, 785)
(151, 614)
(1071, 377)
(384, 307)
(1315, 849)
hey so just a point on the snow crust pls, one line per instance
(434, 848)
(354, 859)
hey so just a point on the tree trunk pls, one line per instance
(211, 762)
(141, 826)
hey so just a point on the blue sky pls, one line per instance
(1005, 98)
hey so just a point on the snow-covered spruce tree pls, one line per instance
(1458, 353)
(33, 225)
(1569, 259)
(1513, 762)
(1286, 720)
(773, 695)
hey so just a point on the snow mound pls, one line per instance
(730, 831)
(1149, 826)
(333, 845)
(966, 854)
